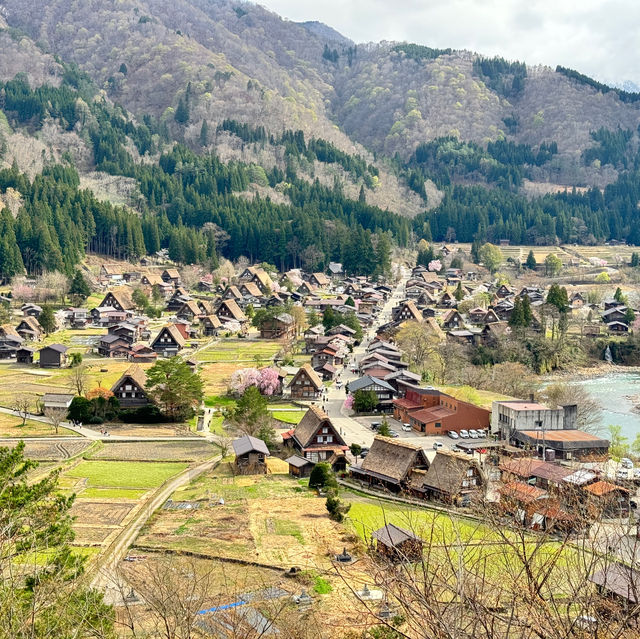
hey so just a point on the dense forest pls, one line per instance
(192, 204)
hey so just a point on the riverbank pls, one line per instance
(589, 372)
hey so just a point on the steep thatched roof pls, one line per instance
(392, 460)
(135, 373)
(314, 419)
(448, 470)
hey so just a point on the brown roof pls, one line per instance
(428, 415)
(264, 278)
(322, 279)
(523, 466)
(562, 435)
(601, 488)
(172, 273)
(175, 333)
(135, 373)
(123, 296)
(191, 306)
(313, 376)
(447, 471)
(154, 279)
(313, 419)
(392, 460)
(252, 289)
(32, 323)
(234, 309)
(523, 493)
(214, 320)
(235, 291)
(8, 330)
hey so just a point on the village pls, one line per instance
(341, 364)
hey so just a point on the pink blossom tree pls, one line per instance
(243, 379)
(269, 383)
(435, 265)
(348, 403)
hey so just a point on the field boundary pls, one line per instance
(201, 555)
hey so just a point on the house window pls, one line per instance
(438, 425)
(325, 430)
(470, 472)
(329, 439)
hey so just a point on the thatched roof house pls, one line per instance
(389, 463)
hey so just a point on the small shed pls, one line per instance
(397, 544)
(24, 355)
(618, 582)
(53, 356)
(251, 455)
(299, 466)
(57, 401)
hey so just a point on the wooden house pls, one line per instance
(397, 544)
(129, 389)
(171, 276)
(53, 356)
(169, 341)
(407, 311)
(299, 467)
(24, 355)
(383, 390)
(209, 325)
(319, 279)
(31, 310)
(389, 463)
(188, 311)
(315, 437)
(29, 329)
(110, 273)
(111, 345)
(306, 384)
(281, 326)
(229, 311)
(452, 320)
(141, 353)
(251, 456)
(128, 332)
(119, 299)
(452, 478)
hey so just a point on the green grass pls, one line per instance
(112, 493)
(288, 417)
(322, 586)
(220, 401)
(216, 425)
(239, 350)
(126, 474)
(367, 516)
(231, 488)
(289, 528)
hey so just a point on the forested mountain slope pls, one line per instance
(212, 127)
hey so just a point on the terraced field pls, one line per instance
(156, 451)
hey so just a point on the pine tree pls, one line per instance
(531, 262)
(204, 134)
(516, 319)
(47, 319)
(181, 115)
(459, 293)
(79, 286)
(527, 313)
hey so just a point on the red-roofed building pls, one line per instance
(430, 411)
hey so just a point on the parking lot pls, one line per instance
(425, 441)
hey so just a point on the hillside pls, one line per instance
(210, 127)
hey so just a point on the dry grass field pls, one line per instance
(51, 450)
(271, 519)
(156, 451)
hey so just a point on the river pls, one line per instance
(612, 391)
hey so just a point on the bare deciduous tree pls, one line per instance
(22, 406)
(79, 380)
(55, 416)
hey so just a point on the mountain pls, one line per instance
(220, 127)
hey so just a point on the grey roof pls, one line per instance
(366, 380)
(619, 579)
(392, 535)
(298, 462)
(60, 348)
(247, 443)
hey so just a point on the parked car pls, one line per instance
(625, 462)
(453, 434)
(473, 434)
(622, 473)
(364, 452)
(407, 428)
(393, 433)
(636, 473)
(469, 451)
(375, 425)
(482, 433)
(437, 445)
(464, 434)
